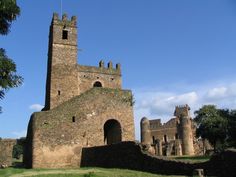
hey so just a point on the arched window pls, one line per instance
(97, 84)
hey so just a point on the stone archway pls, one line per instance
(112, 132)
(97, 84)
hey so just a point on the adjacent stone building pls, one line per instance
(175, 137)
(85, 105)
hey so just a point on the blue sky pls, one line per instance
(171, 52)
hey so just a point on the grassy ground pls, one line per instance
(82, 172)
(192, 158)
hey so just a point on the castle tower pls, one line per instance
(62, 79)
(185, 129)
(145, 131)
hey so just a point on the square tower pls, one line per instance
(62, 79)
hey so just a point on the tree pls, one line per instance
(232, 129)
(211, 125)
(18, 148)
(8, 13)
(8, 77)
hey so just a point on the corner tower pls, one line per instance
(62, 79)
(185, 129)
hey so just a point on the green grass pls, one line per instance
(82, 172)
(192, 158)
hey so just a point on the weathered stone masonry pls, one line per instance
(84, 106)
(6, 148)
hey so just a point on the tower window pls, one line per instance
(97, 84)
(58, 92)
(73, 119)
(64, 34)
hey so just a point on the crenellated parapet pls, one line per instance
(101, 69)
(182, 110)
(64, 20)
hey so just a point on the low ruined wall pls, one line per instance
(223, 164)
(129, 155)
(6, 148)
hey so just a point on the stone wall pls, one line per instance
(223, 164)
(129, 155)
(6, 148)
(55, 138)
(108, 77)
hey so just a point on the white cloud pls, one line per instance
(19, 134)
(36, 107)
(218, 92)
(155, 104)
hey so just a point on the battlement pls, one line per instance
(182, 110)
(101, 69)
(64, 20)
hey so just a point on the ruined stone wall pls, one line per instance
(58, 135)
(168, 129)
(129, 155)
(6, 148)
(222, 164)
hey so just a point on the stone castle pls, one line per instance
(88, 121)
(175, 137)
(85, 106)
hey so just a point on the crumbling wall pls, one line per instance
(6, 148)
(222, 164)
(130, 155)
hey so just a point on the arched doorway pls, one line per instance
(97, 84)
(112, 132)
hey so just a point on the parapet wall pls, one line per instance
(6, 148)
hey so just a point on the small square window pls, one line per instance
(64, 34)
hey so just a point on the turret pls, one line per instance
(185, 129)
(145, 131)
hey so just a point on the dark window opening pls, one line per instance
(64, 34)
(97, 77)
(73, 119)
(165, 138)
(176, 136)
(153, 140)
(112, 79)
(97, 84)
(58, 92)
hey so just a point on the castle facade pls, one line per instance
(85, 106)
